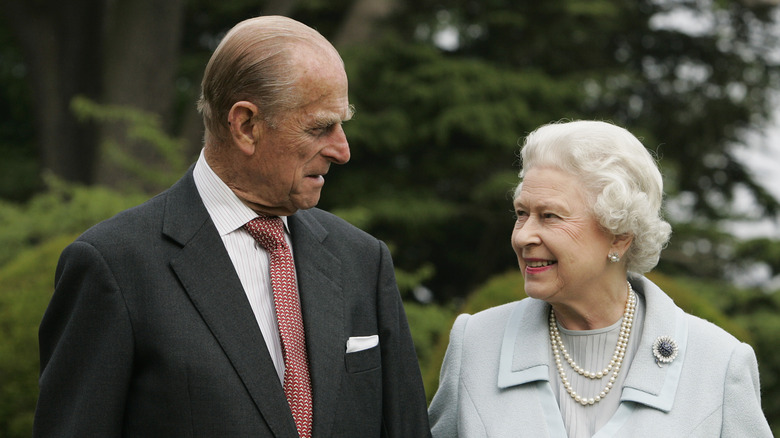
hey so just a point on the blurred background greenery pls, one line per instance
(98, 114)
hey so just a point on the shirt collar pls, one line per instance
(227, 211)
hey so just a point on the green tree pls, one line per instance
(688, 76)
(438, 124)
(19, 166)
(23, 298)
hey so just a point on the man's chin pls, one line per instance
(271, 210)
(306, 204)
(293, 204)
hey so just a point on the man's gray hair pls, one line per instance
(255, 62)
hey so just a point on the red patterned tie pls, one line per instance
(269, 232)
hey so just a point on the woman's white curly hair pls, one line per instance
(619, 175)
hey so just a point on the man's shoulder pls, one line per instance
(323, 216)
(128, 223)
(146, 218)
(331, 223)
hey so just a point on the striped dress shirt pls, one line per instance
(250, 259)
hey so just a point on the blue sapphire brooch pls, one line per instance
(664, 350)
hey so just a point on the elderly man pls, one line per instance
(228, 306)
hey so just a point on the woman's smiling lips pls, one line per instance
(536, 266)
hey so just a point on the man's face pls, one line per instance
(287, 170)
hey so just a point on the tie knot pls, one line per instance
(268, 231)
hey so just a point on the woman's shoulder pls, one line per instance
(661, 307)
(501, 312)
(701, 331)
(494, 319)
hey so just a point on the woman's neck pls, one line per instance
(594, 311)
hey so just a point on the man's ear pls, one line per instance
(242, 121)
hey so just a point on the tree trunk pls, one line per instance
(361, 22)
(61, 44)
(142, 45)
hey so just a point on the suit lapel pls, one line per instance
(209, 278)
(322, 303)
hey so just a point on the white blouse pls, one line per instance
(592, 350)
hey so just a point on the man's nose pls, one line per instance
(337, 150)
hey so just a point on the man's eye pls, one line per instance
(550, 215)
(321, 130)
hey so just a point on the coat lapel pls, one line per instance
(209, 278)
(322, 303)
(524, 359)
(523, 348)
(647, 383)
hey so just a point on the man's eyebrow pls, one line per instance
(328, 119)
(325, 120)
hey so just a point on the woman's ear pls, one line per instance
(620, 243)
(242, 121)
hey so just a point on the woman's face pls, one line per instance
(561, 249)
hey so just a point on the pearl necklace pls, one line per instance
(614, 364)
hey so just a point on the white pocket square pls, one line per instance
(360, 343)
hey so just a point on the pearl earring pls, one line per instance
(614, 257)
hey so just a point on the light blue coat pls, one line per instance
(495, 378)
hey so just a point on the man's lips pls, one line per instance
(317, 175)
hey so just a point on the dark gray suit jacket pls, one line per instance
(149, 333)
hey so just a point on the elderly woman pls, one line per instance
(597, 350)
